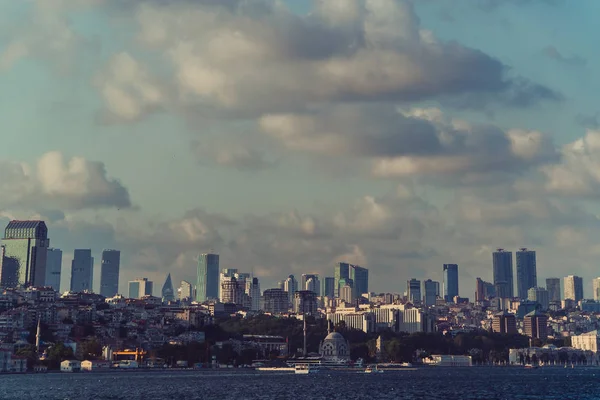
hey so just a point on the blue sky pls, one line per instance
(288, 136)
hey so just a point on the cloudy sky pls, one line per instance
(288, 135)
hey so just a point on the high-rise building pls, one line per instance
(305, 302)
(167, 292)
(573, 288)
(540, 296)
(109, 273)
(341, 271)
(596, 288)
(430, 292)
(414, 291)
(208, 284)
(53, 268)
(535, 325)
(450, 281)
(25, 250)
(328, 286)
(290, 285)
(304, 278)
(232, 291)
(504, 322)
(526, 272)
(346, 291)
(313, 285)
(360, 276)
(253, 290)
(82, 270)
(484, 290)
(139, 288)
(185, 290)
(503, 273)
(275, 301)
(553, 288)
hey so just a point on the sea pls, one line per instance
(421, 383)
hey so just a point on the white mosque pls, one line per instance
(334, 348)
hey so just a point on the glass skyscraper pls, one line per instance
(140, 287)
(82, 270)
(360, 276)
(328, 286)
(207, 285)
(503, 273)
(167, 292)
(526, 272)
(450, 281)
(414, 291)
(340, 271)
(553, 287)
(431, 288)
(25, 245)
(53, 268)
(109, 273)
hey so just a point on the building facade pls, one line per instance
(553, 288)
(167, 292)
(360, 277)
(184, 291)
(504, 322)
(413, 291)
(305, 302)
(450, 281)
(207, 285)
(25, 250)
(430, 292)
(535, 325)
(596, 288)
(503, 273)
(328, 286)
(140, 287)
(540, 296)
(573, 288)
(275, 301)
(340, 271)
(53, 268)
(109, 272)
(526, 272)
(82, 271)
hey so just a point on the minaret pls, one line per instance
(38, 336)
(304, 318)
(329, 326)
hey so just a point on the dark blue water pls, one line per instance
(427, 383)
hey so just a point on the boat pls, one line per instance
(371, 370)
(530, 366)
(304, 369)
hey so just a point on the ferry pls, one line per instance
(304, 369)
(530, 366)
(371, 370)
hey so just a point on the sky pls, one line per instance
(290, 135)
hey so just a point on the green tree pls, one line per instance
(57, 353)
(91, 349)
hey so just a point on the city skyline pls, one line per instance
(147, 145)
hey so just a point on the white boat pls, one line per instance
(304, 369)
(371, 370)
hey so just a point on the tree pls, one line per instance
(57, 353)
(30, 353)
(91, 349)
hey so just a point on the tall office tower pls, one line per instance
(232, 291)
(596, 287)
(109, 272)
(82, 270)
(225, 276)
(450, 281)
(346, 292)
(328, 286)
(573, 288)
(535, 325)
(290, 285)
(167, 292)
(553, 287)
(484, 290)
(253, 290)
(25, 249)
(140, 287)
(208, 284)
(360, 276)
(526, 272)
(340, 271)
(185, 290)
(437, 288)
(305, 302)
(503, 273)
(304, 278)
(430, 292)
(414, 291)
(479, 290)
(53, 268)
(314, 285)
(540, 296)
(243, 278)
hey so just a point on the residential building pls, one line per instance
(526, 272)
(503, 273)
(553, 287)
(360, 276)
(167, 292)
(413, 287)
(540, 296)
(450, 281)
(573, 286)
(139, 288)
(53, 268)
(430, 288)
(207, 284)
(82, 271)
(504, 322)
(25, 249)
(535, 325)
(109, 273)
(275, 301)
(328, 286)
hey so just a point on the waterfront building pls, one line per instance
(553, 288)
(25, 245)
(573, 288)
(503, 273)
(109, 273)
(504, 322)
(140, 287)
(207, 284)
(82, 270)
(341, 271)
(535, 325)
(413, 287)
(305, 302)
(589, 341)
(53, 268)
(335, 348)
(526, 272)
(430, 288)
(167, 292)
(360, 277)
(275, 301)
(450, 282)
(328, 287)
(540, 296)
(185, 290)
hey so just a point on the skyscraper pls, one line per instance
(53, 268)
(484, 290)
(304, 278)
(25, 250)
(109, 272)
(253, 290)
(167, 292)
(341, 271)
(82, 270)
(328, 286)
(208, 285)
(553, 287)
(540, 296)
(360, 276)
(503, 273)
(185, 290)
(430, 292)
(450, 281)
(414, 291)
(290, 285)
(573, 288)
(140, 287)
(314, 285)
(526, 272)
(596, 288)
